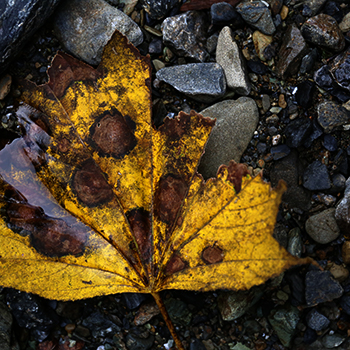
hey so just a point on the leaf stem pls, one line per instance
(167, 320)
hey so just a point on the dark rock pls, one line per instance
(316, 177)
(257, 67)
(316, 320)
(308, 61)
(201, 81)
(99, 325)
(309, 336)
(257, 15)
(158, 9)
(290, 169)
(186, 33)
(320, 287)
(178, 311)
(223, 14)
(5, 327)
(311, 7)
(32, 313)
(316, 132)
(139, 341)
(291, 52)
(331, 115)
(332, 341)
(297, 131)
(343, 209)
(323, 30)
(330, 143)
(133, 300)
(197, 345)
(20, 19)
(297, 286)
(340, 68)
(333, 9)
(304, 94)
(155, 46)
(280, 151)
(276, 6)
(345, 304)
(83, 37)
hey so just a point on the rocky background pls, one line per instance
(276, 75)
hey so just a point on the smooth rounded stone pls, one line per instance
(308, 61)
(330, 143)
(262, 43)
(342, 212)
(19, 20)
(292, 50)
(304, 94)
(279, 151)
(236, 121)
(330, 115)
(290, 169)
(338, 181)
(316, 321)
(266, 103)
(311, 7)
(204, 82)
(230, 58)
(297, 131)
(233, 305)
(178, 311)
(340, 68)
(344, 25)
(320, 286)
(158, 9)
(322, 227)
(256, 14)
(332, 341)
(85, 26)
(186, 33)
(138, 342)
(284, 322)
(295, 243)
(223, 14)
(316, 177)
(5, 327)
(323, 31)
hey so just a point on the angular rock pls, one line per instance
(133, 300)
(186, 33)
(322, 227)
(99, 325)
(223, 14)
(230, 58)
(340, 68)
(320, 287)
(256, 14)
(332, 341)
(236, 121)
(5, 327)
(297, 131)
(279, 151)
(330, 115)
(311, 7)
(203, 82)
(158, 9)
(316, 320)
(323, 31)
(138, 342)
(276, 6)
(262, 44)
(304, 94)
(85, 26)
(316, 177)
(344, 25)
(342, 215)
(308, 61)
(291, 52)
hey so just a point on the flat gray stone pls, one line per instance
(236, 121)
(230, 58)
(85, 26)
(204, 82)
(322, 227)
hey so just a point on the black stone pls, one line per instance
(316, 320)
(257, 67)
(19, 20)
(309, 336)
(158, 9)
(298, 288)
(197, 345)
(100, 326)
(333, 9)
(345, 304)
(308, 61)
(280, 151)
(297, 131)
(304, 94)
(320, 287)
(155, 46)
(133, 300)
(223, 14)
(316, 177)
(136, 341)
(330, 142)
(316, 132)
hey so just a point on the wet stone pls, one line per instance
(5, 327)
(99, 325)
(330, 115)
(291, 52)
(223, 14)
(323, 31)
(316, 320)
(316, 177)
(236, 121)
(256, 14)
(158, 9)
(297, 131)
(133, 300)
(284, 322)
(330, 143)
(186, 33)
(320, 287)
(323, 227)
(308, 61)
(311, 7)
(280, 151)
(230, 58)
(257, 67)
(204, 82)
(84, 38)
(304, 94)
(340, 68)
(295, 243)
(333, 9)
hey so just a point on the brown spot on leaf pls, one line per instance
(140, 223)
(63, 145)
(113, 134)
(169, 196)
(235, 173)
(212, 255)
(90, 185)
(175, 264)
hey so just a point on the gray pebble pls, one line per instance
(234, 128)
(323, 227)
(204, 82)
(230, 58)
(332, 341)
(330, 115)
(316, 177)
(85, 26)
(295, 243)
(316, 320)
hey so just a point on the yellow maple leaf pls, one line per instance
(94, 200)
